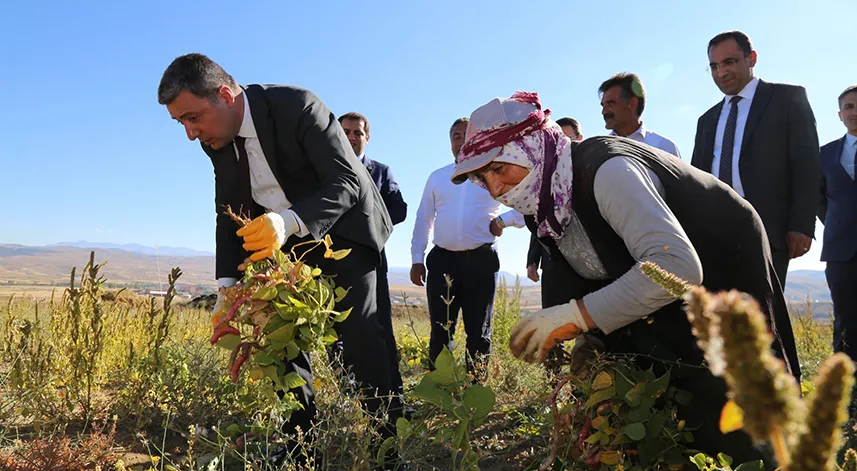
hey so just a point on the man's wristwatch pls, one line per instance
(499, 221)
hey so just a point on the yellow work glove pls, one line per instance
(266, 233)
(535, 335)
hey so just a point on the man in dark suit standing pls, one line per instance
(356, 128)
(762, 141)
(279, 154)
(838, 213)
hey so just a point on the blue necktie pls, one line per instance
(728, 146)
(851, 169)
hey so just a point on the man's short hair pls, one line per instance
(456, 123)
(353, 116)
(851, 89)
(631, 87)
(195, 73)
(742, 39)
(570, 122)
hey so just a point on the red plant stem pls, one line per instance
(231, 314)
(242, 357)
(221, 331)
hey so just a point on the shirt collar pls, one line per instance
(642, 131)
(746, 93)
(362, 158)
(850, 140)
(248, 129)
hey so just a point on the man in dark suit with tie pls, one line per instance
(761, 140)
(279, 154)
(838, 213)
(356, 128)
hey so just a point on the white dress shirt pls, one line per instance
(459, 214)
(848, 153)
(743, 111)
(647, 136)
(264, 187)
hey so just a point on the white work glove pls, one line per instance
(535, 335)
(266, 233)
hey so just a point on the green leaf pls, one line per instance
(340, 293)
(229, 341)
(480, 400)
(445, 369)
(622, 381)
(293, 380)
(724, 459)
(460, 435)
(271, 373)
(635, 431)
(643, 411)
(342, 315)
(635, 396)
(600, 396)
(340, 254)
(403, 428)
(292, 350)
(385, 447)
(683, 397)
(266, 293)
(329, 336)
(659, 386)
(284, 334)
(751, 466)
(428, 391)
(656, 423)
(273, 324)
(297, 303)
(595, 437)
(699, 460)
(263, 359)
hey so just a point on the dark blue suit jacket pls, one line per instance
(838, 208)
(389, 189)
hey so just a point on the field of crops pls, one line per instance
(94, 379)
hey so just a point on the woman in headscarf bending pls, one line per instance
(605, 205)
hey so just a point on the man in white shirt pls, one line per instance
(466, 223)
(761, 140)
(623, 99)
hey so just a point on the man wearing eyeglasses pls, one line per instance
(761, 140)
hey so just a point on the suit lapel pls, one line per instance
(711, 119)
(836, 161)
(264, 124)
(764, 92)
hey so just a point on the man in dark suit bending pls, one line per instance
(279, 154)
(762, 141)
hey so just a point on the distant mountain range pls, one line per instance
(136, 248)
(136, 263)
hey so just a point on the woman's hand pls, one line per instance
(537, 334)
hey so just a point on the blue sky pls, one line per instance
(89, 154)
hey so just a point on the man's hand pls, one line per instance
(798, 244)
(537, 334)
(533, 273)
(266, 233)
(496, 227)
(418, 274)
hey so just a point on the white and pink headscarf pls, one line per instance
(534, 142)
